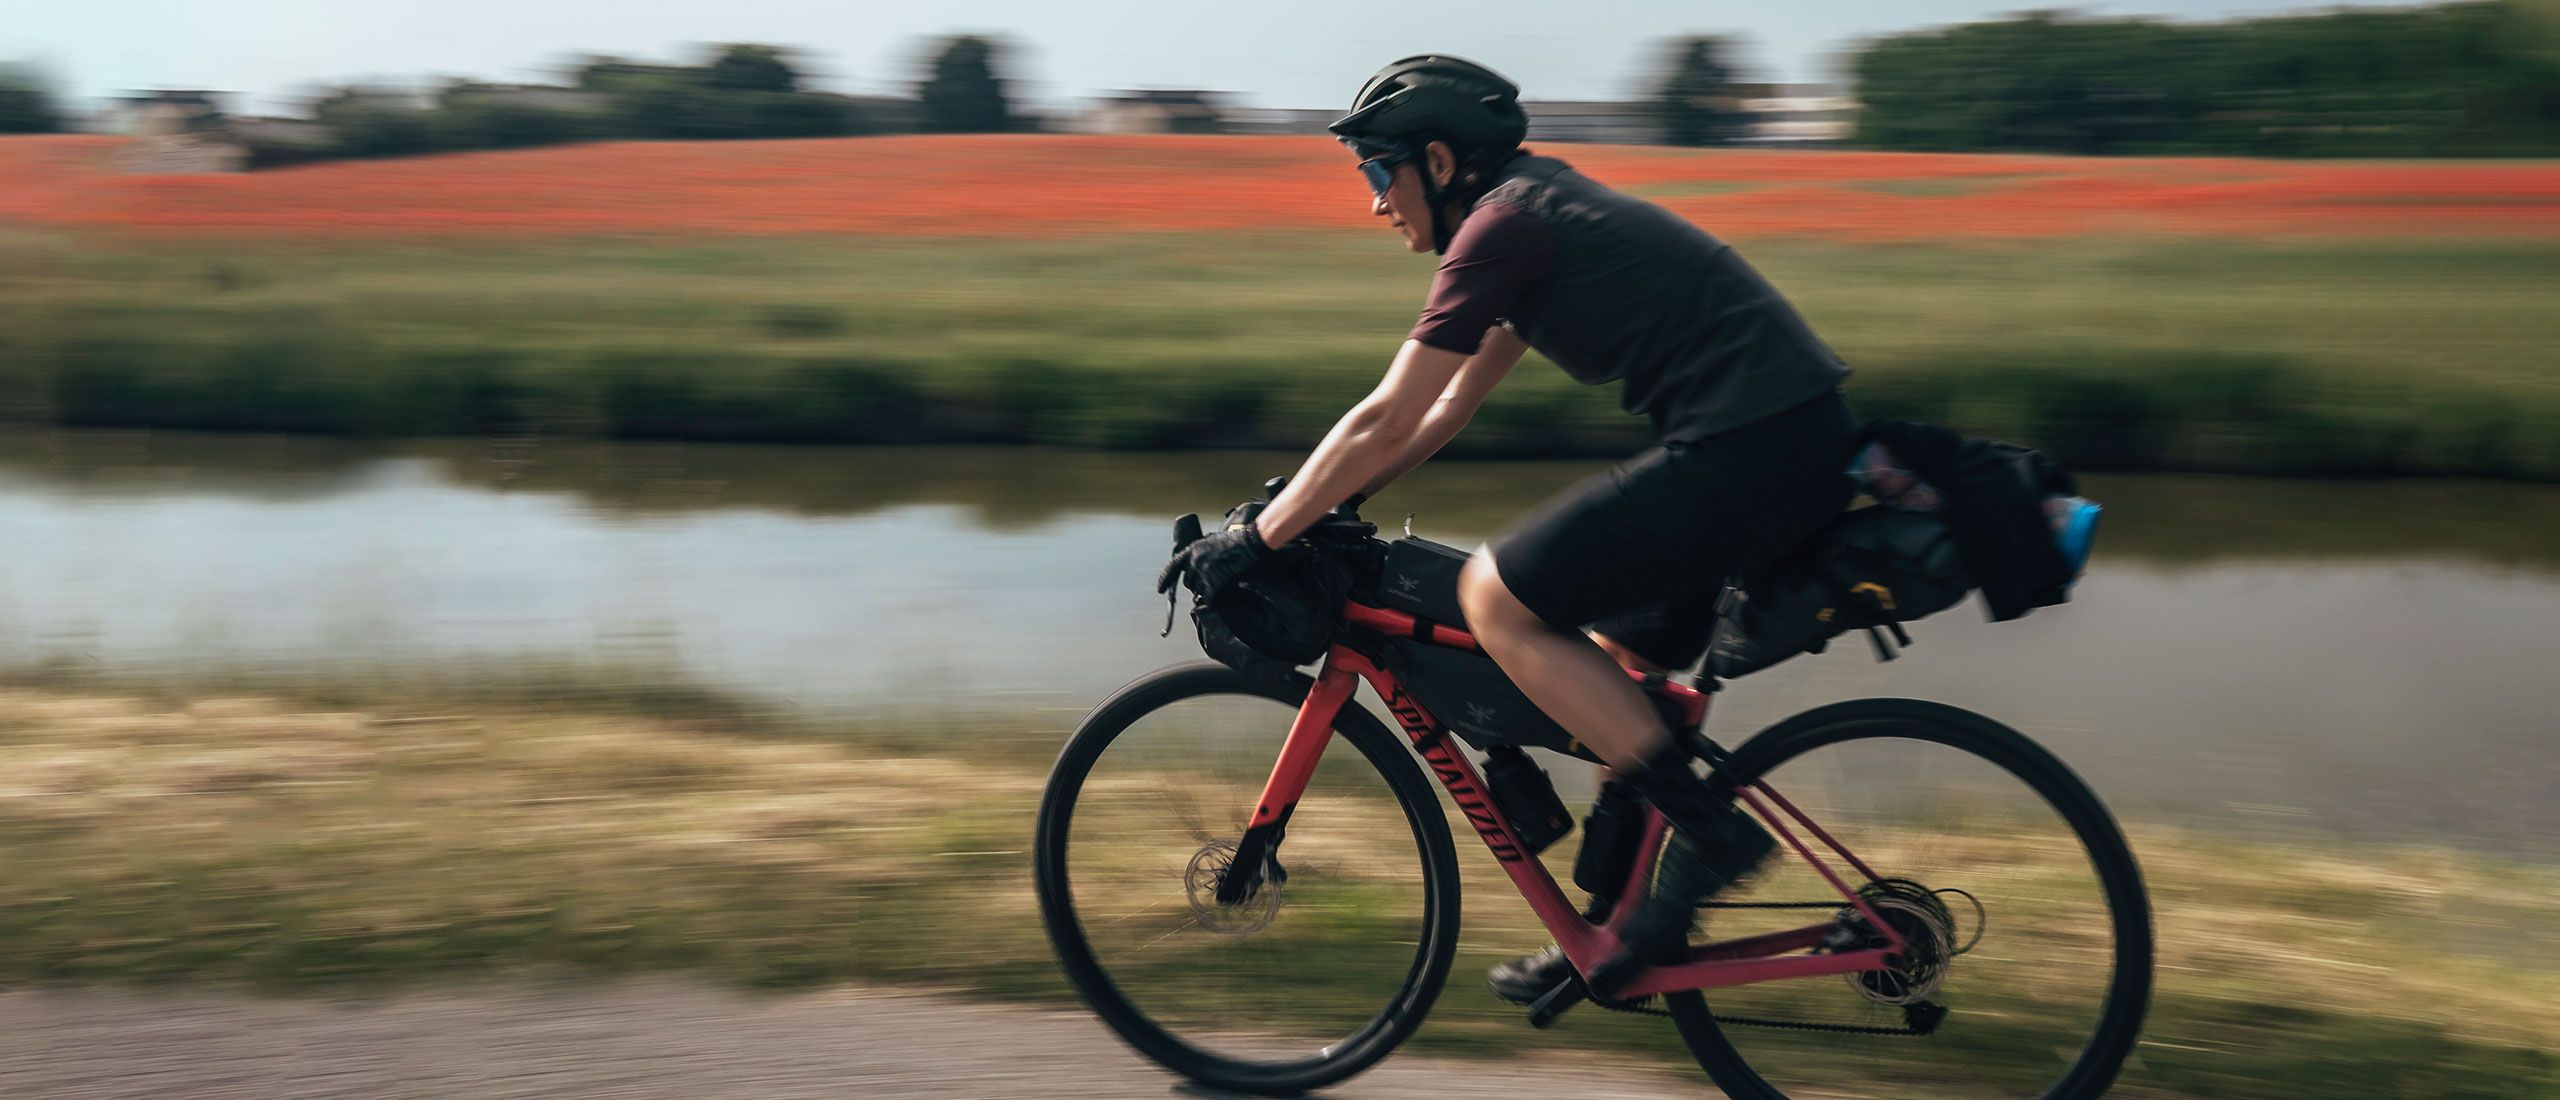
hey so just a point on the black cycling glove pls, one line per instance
(1215, 561)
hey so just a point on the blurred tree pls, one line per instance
(961, 93)
(1697, 103)
(26, 107)
(2452, 79)
(750, 68)
(480, 116)
(368, 122)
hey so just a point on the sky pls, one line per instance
(1298, 53)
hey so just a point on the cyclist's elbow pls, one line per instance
(1386, 424)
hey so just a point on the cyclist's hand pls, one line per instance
(1215, 561)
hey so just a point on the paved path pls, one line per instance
(640, 1039)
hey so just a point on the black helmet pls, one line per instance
(1471, 105)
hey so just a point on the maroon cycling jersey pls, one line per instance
(1497, 253)
(1616, 289)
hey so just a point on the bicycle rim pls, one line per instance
(1333, 960)
(2025, 909)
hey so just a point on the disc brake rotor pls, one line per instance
(1200, 888)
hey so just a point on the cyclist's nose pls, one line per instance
(1378, 205)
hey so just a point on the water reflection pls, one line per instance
(2288, 657)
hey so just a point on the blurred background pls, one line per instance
(587, 514)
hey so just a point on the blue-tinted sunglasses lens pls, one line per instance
(1381, 173)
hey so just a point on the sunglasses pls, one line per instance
(1381, 170)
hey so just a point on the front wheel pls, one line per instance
(2030, 966)
(1333, 957)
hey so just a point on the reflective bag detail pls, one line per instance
(1421, 578)
(1871, 567)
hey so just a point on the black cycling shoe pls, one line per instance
(1713, 845)
(1525, 979)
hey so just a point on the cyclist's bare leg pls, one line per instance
(1574, 677)
(1579, 684)
(1629, 658)
(1522, 980)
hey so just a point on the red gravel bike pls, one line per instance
(1952, 912)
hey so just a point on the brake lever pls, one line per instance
(1186, 531)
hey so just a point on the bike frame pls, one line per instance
(1760, 958)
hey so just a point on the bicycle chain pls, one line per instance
(1644, 1007)
(1641, 1008)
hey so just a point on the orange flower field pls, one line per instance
(1046, 185)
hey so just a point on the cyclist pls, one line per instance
(1752, 437)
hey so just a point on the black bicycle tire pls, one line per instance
(2129, 989)
(1435, 949)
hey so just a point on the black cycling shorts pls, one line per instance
(1639, 553)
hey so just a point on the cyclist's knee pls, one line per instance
(1485, 600)
(1629, 658)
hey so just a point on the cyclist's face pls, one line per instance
(1402, 203)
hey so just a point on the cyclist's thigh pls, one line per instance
(1670, 636)
(1665, 528)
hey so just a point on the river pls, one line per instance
(2289, 658)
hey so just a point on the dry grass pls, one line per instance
(254, 839)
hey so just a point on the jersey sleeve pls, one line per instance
(1497, 254)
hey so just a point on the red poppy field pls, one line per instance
(2213, 314)
(1044, 186)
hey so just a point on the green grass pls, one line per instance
(2425, 357)
(270, 841)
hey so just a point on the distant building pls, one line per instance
(1279, 120)
(1156, 111)
(1593, 122)
(542, 96)
(178, 132)
(1784, 114)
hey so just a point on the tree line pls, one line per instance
(736, 91)
(739, 91)
(2480, 77)
(2462, 79)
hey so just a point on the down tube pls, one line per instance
(1583, 943)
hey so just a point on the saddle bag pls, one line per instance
(1873, 567)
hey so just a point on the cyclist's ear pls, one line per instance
(1442, 162)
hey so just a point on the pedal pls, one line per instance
(1554, 1002)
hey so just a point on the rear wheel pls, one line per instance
(1334, 957)
(2030, 967)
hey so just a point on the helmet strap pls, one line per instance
(1437, 198)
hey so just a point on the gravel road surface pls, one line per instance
(641, 1039)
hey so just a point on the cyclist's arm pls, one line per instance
(1457, 405)
(1492, 260)
(1368, 441)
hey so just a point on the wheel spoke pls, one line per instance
(1308, 978)
(1949, 807)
